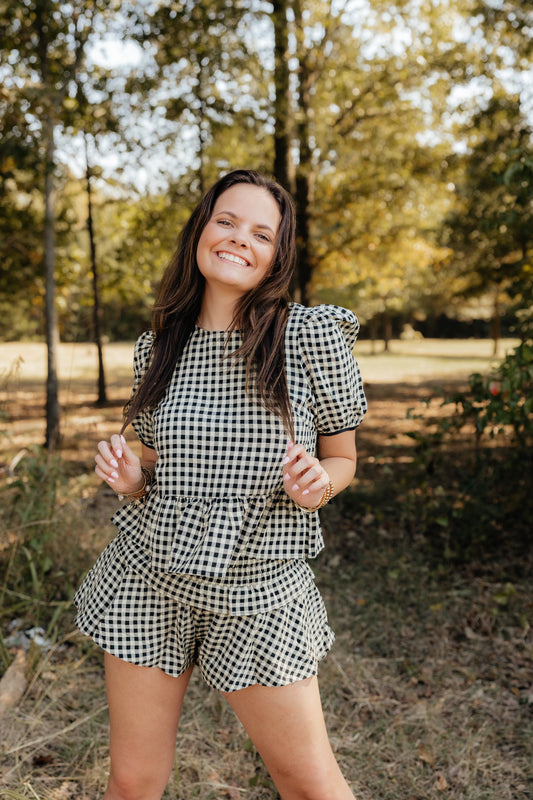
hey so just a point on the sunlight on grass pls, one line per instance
(423, 359)
(429, 359)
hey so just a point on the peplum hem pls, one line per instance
(205, 537)
(250, 587)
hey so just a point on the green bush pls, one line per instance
(468, 489)
(501, 403)
(40, 559)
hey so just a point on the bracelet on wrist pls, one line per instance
(136, 498)
(326, 497)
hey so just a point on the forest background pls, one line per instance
(403, 130)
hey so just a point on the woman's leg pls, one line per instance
(144, 709)
(287, 726)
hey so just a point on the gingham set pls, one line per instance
(212, 568)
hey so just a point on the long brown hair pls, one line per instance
(261, 314)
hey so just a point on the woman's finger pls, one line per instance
(107, 452)
(104, 475)
(317, 485)
(117, 444)
(298, 469)
(127, 453)
(294, 452)
(109, 469)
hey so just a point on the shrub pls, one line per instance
(501, 403)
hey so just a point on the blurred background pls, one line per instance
(404, 132)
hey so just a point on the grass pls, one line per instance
(428, 692)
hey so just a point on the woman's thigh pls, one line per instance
(144, 710)
(286, 724)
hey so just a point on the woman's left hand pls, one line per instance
(304, 478)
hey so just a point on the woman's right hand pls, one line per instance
(119, 466)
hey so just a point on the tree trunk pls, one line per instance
(303, 169)
(373, 329)
(387, 331)
(53, 412)
(496, 325)
(282, 95)
(203, 127)
(97, 309)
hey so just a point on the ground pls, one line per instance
(428, 691)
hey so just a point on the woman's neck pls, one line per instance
(216, 313)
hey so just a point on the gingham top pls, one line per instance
(217, 529)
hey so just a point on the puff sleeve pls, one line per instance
(325, 343)
(143, 423)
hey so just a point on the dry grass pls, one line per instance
(428, 692)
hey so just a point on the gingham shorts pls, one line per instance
(145, 627)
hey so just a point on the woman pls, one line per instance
(235, 391)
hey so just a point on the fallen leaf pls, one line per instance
(13, 683)
(441, 784)
(426, 755)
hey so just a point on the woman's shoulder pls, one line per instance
(142, 350)
(144, 342)
(322, 318)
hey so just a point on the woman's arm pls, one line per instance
(306, 478)
(148, 457)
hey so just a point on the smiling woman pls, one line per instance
(246, 406)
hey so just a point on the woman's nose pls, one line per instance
(239, 238)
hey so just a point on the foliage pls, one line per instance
(405, 129)
(208, 82)
(489, 500)
(502, 403)
(490, 230)
(33, 574)
(21, 207)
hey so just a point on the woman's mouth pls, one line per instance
(225, 256)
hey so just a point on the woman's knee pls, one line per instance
(136, 784)
(318, 782)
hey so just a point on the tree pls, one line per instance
(43, 45)
(491, 230)
(97, 308)
(384, 116)
(282, 94)
(20, 212)
(206, 81)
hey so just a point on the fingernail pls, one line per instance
(286, 477)
(295, 487)
(122, 439)
(114, 463)
(286, 460)
(114, 474)
(111, 480)
(305, 491)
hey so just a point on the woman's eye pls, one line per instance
(224, 222)
(263, 237)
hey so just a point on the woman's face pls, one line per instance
(237, 245)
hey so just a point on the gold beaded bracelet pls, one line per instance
(140, 494)
(326, 497)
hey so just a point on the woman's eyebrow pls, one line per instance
(235, 216)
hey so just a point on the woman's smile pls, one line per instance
(225, 256)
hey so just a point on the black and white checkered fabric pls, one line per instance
(218, 535)
(273, 648)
